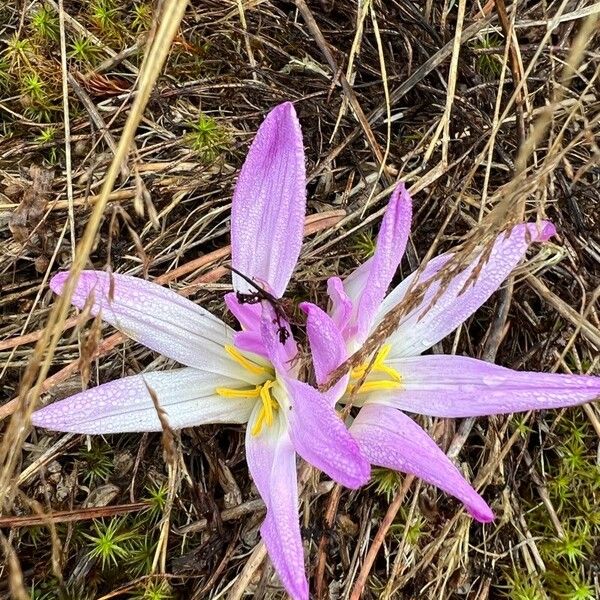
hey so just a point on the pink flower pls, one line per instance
(229, 377)
(437, 385)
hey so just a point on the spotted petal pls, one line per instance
(158, 318)
(391, 439)
(186, 395)
(267, 212)
(272, 463)
(457, 386)
(437, 316)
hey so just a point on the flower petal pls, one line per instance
(251, 341)
(368, 284)
(432, 320)
(267, 212)
(341, 304)
(390, 439)
(457, 386)
(277, 339)
(319, 435)
(186, 395)
(327, 345)
(247, 314)
(272, 463)
(158, 318)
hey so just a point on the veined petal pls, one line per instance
(267, 212)
(368, 284)
(272, 463)
(319, 435)
(158, 318)
(186, 395)
(249, 317)
(430, 322)
(457, 386)
(327, 345)
(390, 439)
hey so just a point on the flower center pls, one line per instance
(269, 405)
(376, 366)
(262, 391)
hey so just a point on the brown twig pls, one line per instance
(70, 516)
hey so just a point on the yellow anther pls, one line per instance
(244, 362)
(268, 406)
(376, 386)
(383, 353)
(378, 366)
(265, 396)
(390, 372)
(237, 393)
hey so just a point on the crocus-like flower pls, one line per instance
(400, 379)
(229, 377)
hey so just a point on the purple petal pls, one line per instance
(277, 339)
(390, 439)
(430, 322)
(327, 346)
(186, 395)
(250, 341)
(158, 318)
(320, 436)
(248, 315)
(272, 463)
(457, 386)
(267, 212)
(341, 305)
(368, 284)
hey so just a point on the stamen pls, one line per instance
(237, 393)
(377, 366)
(390, 371)
(244, 362)
(376, 386)
(268, 406)
(265, 396)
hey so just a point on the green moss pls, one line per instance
(99, 461)
(111, 543)
(385, 482)
(44, 24)
(572, 479)
(208, 138)
(488, 65)
(83, 50)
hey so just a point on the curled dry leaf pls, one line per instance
(26, 218)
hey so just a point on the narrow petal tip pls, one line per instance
(285, 108)
(57, 282)
(547, 230)
(359, 476)
(308, 308)
(481, 512)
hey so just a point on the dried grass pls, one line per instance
(385, 90)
